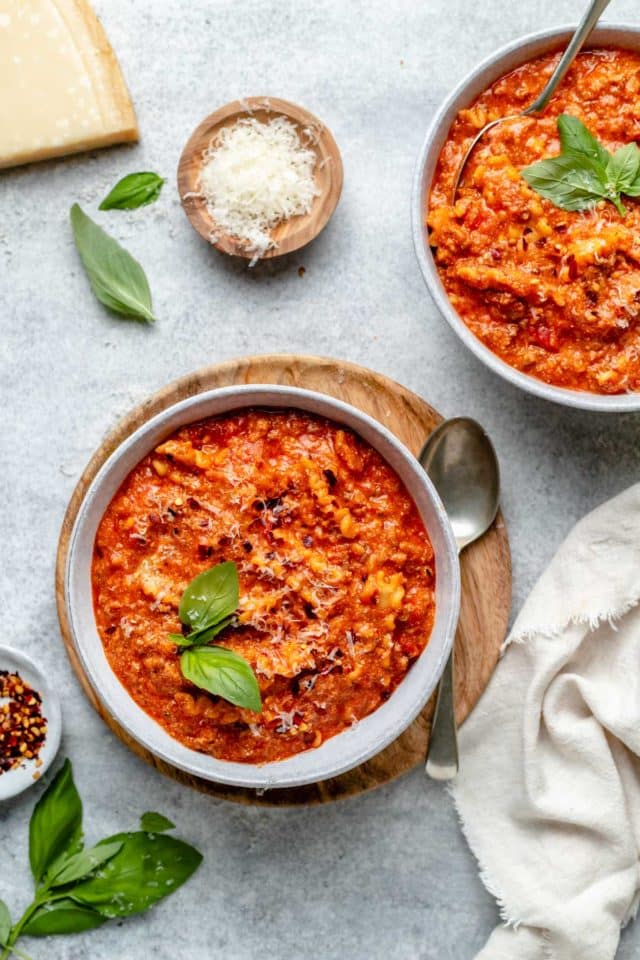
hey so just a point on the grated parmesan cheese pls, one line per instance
(256, 175)
(286, 720)
(350, 644)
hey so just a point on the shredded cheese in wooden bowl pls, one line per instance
(260, 178)
(255, 176)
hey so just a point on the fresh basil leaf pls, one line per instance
(563, 183)
(577, 140)
(5, 923)
(223, 673)
(622, 168)
(134, 190)
(198, 637)
(152, 822)
(212, 596)
(62, 916)
(585, 172)
(58, 863)
(56, 823)
(633, 190)
(117, 280)
(82, 864)
(147, 868)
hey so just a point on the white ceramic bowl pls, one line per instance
(347, 749)
(480, 78)
(15, 781)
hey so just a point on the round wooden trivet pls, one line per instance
(486, 566)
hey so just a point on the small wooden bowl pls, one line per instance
(291, 234)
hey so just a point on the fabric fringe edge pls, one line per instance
(552, 632)
(508, 917)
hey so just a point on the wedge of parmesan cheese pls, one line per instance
(61, 88)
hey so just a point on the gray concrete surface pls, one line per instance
(388, 874)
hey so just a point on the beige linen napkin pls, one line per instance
(549, 785)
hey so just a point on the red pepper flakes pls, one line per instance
(23, 729)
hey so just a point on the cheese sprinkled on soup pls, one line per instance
(337, 578)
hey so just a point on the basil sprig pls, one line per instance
(134, 190)
(207, 607)
(585, 172)
(118, 281)
(79, 889)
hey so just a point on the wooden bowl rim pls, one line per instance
(195, 207)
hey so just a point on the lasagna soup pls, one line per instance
(554, 293)
(336, 571)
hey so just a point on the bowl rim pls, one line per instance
(14, 782)
(604, 33)
(345, 750)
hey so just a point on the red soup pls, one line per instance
(554, 293)
(337, 578)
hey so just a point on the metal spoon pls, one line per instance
(586, 25)
(463, 467)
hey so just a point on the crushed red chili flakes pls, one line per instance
(23, 728)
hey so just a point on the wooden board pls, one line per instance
(486, 565)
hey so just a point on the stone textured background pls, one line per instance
(388, 874)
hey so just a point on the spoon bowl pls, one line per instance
(289, 235)
(462, 464)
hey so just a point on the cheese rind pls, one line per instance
(61, 87)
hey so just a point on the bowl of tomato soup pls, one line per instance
(348, 583)
(546, 297)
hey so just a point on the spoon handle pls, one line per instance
(442, 755)
(586, 25)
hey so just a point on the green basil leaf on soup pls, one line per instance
(564, 183)
(134, 190)
(223, 673)
(585, 172)
(56, 823)
(211, 597)
(199, 637)
(202, 636)
(622, 168)
(116, 278)
(179, 639)
(577, 140)
(633, 190)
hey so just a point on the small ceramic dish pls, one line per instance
(341, 752)
(20, 778)
(478, 80)
(291, 234)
